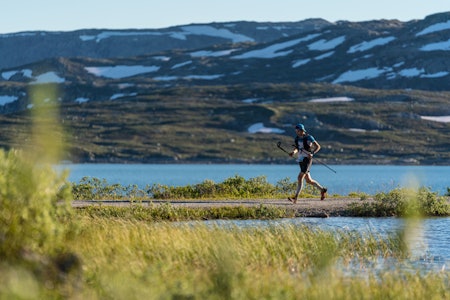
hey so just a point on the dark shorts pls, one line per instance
(305, 165)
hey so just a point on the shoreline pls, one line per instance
(350, 162)
(305, 207)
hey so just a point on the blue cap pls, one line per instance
(300, 126)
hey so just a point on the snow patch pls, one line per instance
(332, 99)
(440, 119)
(80, 100)
(324, 45)
(121, 95)
(204, 77)
(205, 53)
(4, 99)
(435, 75)
(412, 72)
(357, 130)
(189, 77)
(434, 28)
(273, 50)
(161, 58)
(49, 77)
(362, 130)
(364, 46)
(415, 72)
(259, 128)
(25, 72)
(300, 62)
(444, 46)
(357, 75)
(251, 100)
(165, 78)
(120, 71)
(325, 55)
(182, 64)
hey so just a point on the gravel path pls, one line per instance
(307, 207)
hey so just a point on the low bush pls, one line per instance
(403, 202)
(91, 188)
(236, 187)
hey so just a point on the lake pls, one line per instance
(369, 179)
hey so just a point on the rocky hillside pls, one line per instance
(374, 91)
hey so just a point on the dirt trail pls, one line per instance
(307, 207)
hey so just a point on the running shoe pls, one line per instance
(293, 199)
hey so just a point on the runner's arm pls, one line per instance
(293, 152)
(315, 147)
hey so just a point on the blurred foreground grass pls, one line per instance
(124, 259)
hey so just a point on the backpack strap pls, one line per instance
(296, 141)
(306, 146)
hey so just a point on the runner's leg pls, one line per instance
(312, 181)
(322, 189)
(303, 170)
(300, 178)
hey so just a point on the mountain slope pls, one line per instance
(370, 92)
(376, 54)
(27, 47)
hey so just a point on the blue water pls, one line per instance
(369, 179)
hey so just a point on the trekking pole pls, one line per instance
(279, 146)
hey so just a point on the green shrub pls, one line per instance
(432, 204)
(91, 188)
(238, 187)
(233, 187)
(206, 189)
(405, 203)
(285, 186)
(34, 206)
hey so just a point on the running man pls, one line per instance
(306, 146)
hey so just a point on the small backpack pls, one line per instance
(305, 143)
